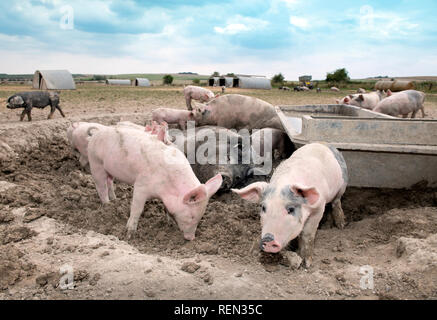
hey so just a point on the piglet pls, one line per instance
(293, 203)
(197, 93)
(173, 116)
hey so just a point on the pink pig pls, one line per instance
(156, 170)
(172, 116)
(294, 201)
(402, 103)
(78, 134)
(197, 93)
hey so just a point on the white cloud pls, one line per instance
(232, 28)
(299, 22)
(239, 24)
(383, 24)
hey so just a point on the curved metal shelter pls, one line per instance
(252, 83)
(226, 82)
(141, 82)
(118, 82)
(53, 80)
(214, 81)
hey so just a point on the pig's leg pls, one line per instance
(100, 179)
(414, 114)
(188, 101)
(83, 161)
(23, 114)
(141, 195)
(29, 115)
(60, 110)
(52, 111)
(307, 236)
(338, 214)
(405, 116)
(111, 193)
(182, 124)
(422, 108)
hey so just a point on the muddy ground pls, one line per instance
(51, 221)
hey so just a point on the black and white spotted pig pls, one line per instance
(35, 99)
(294, 201)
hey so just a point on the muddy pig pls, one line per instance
(217, 151)
(294, 201)
(197, 93)
(155, 169)
(172, 116)
(402, 103)
(234, 111)
(37, 99)
(279, 143)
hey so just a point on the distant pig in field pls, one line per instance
(197, 93)
(402, 103)
(78, 134)
(294, 201)
(37, 99)
(365, 101)
(335, 89)
(155, 169)
(173, 116)
(234, 111)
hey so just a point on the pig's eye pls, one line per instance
(290, 210)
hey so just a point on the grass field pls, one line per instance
(99, 98)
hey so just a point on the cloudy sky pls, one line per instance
(295, 37)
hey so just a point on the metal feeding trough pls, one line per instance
(380, 151)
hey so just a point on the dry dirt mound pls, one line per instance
(44, 180)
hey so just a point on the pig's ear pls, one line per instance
(196, 195)
(213, 184)
(148, 128)
(217, 95)
(253, 192)
(337, 101)
(360, 97)
(74, 125)
(310, 194)
(389, 93)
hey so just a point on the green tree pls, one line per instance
(216, 74)
(196, 81)
(278, 78)
(167, 79)
(339, 75)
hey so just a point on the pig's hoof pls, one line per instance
(307, 262)
(130, 234)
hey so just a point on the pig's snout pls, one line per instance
(268, 244)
